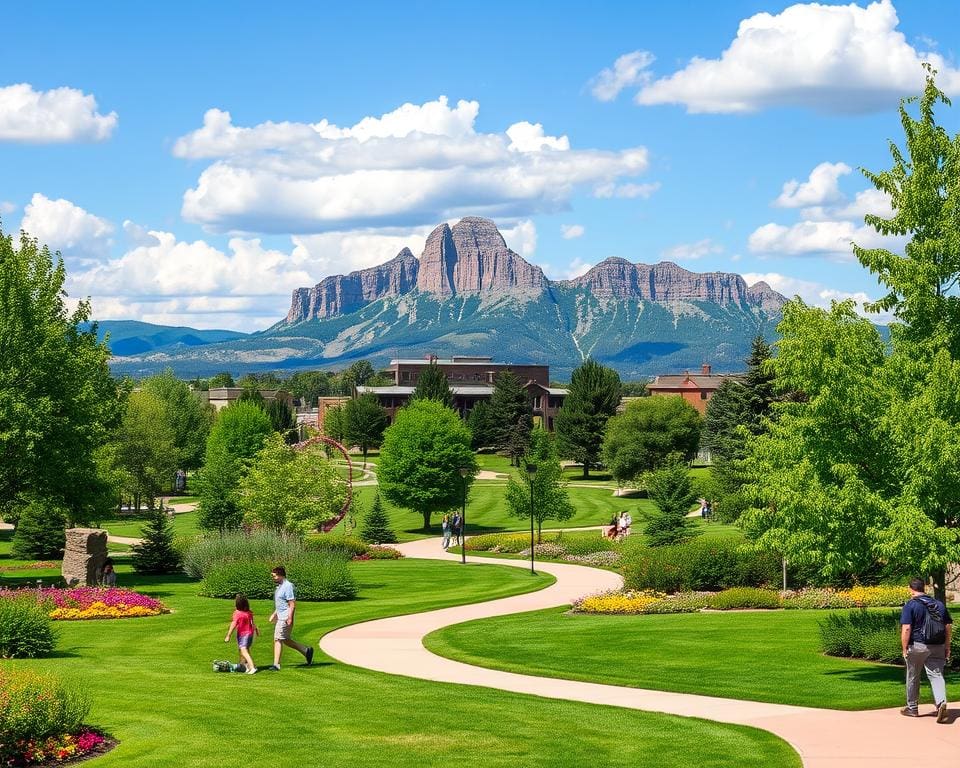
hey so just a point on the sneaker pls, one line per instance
(309, 655)
(252, 671)
(942, 713)
(274, 667)
(908, 712)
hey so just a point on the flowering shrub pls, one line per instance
(547, 550)
(35, 566)
(51, 749)
(636, 602)
(856, 597)
(510, 543)
(744, 597)
(603, 559)
(379, 552)
(36, 709)
(79, 603)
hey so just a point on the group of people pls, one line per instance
(452, 527)
(620, 526)
(284, 608)
(706, 509)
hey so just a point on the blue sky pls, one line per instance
(196, 162)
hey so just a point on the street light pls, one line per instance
(531, 473)
(464, 474)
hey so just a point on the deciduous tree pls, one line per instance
(550, 498)
(188, 416)
(365, 423)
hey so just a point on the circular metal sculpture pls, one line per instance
(329, 525)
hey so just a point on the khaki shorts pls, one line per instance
(282, 630)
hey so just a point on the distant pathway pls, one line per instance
(824, 738)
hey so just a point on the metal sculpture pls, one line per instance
(330, 524)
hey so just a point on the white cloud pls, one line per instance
(818, 238)
(571, 231)
(820, 188)
(628, 70)
(814, 293)
(7, 207)
(46, 117)
(866, 201)
(66, 227)
(830, 58)
(415, 166)
(692, 251)
(335, 253)
(610, 189)
(204, 312)
(521, 237)
(575, 268)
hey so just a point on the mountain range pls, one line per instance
(470, 294)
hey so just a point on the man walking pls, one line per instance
(285, 605)
(925, 632)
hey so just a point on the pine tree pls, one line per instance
(155, 553)
(672, 491)
(432, 385)
(376, 525)
(592, 399)
(510, 415)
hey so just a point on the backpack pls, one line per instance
(934, 631)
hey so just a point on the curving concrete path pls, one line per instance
(824, 738)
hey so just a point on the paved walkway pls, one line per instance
(824, 738)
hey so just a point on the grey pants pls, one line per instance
(931, 658)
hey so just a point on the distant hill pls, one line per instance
(130, 337)
(469, 294)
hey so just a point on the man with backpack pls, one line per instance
(925, 633)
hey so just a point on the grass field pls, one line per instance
(152, 688)
(771, 656)
(131, 525)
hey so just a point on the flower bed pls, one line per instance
(379, 552)
(55, 749)
(648, 601)
(39, 565)
(81, 603)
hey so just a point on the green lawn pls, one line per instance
(152, 687)
(771, 656)
(130, 525)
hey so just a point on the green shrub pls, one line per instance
(575, 544)
(26, 631)
(346, 546)
(35, 706)
(156, 553)
(701, 565)
(213, 549)
(883, 646)
(376, 525)
(316, 576)
(744, 597)
(509, 543)
(381, 553)
(41, 531)
(843, 634)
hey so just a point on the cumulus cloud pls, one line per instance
(55, 116)
(872, 201)
(341, 252)
(571, 231)
(610, 189)
(692, 251)
(415, 166)
(66, 227)
(815, 293)
(818, 238)
(7, 207)
(830, 58)
(521, 237)
(820, 188)
(574, 269)
(628, 70)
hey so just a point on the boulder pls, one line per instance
(84, 556)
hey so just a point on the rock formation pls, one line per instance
(473, 257)
(84, 556)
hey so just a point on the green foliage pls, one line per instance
(335, 424)
(281, 415)
(187, 415)
(237, 435)
(346, 546)
(35, 706)
(421, 456)
(41, 531)
(26, 631)
(239, 546)
(594, 395)
(737, 598)
(358, 374)
(316, 576)
(550, 498)
(650, 429)
(156, 552)
(671, 490)
(365, 422)
(143, 449)
(510, 418)
(223, 379)
(482, 426)
(703, 564)
(432, 385)
(260, 380)
(58, 401)
(376, 525)
(289, 490)
(307, 386)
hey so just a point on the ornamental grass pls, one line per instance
(82, 603)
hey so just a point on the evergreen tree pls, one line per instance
(41, 531)
(671, 490)
(432, 385)
(376, 525)
(592, 399)
(223, 379)
(550, 498)
(155, 553)
(281, 416)
(510, 415)
(481, 426)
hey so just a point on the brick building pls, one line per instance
(696, 389)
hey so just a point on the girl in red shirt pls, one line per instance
(246, 628)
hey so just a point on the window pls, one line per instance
(704, 395)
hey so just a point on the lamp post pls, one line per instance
(531, 473)
(464, 474)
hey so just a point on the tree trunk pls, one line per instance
(939, 576)
(426, 522)
(539, 531)
(364, 448)
(586, 470)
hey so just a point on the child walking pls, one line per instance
(246, 628)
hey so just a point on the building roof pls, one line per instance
(692, 381)
(484, 362)
(457, 389)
